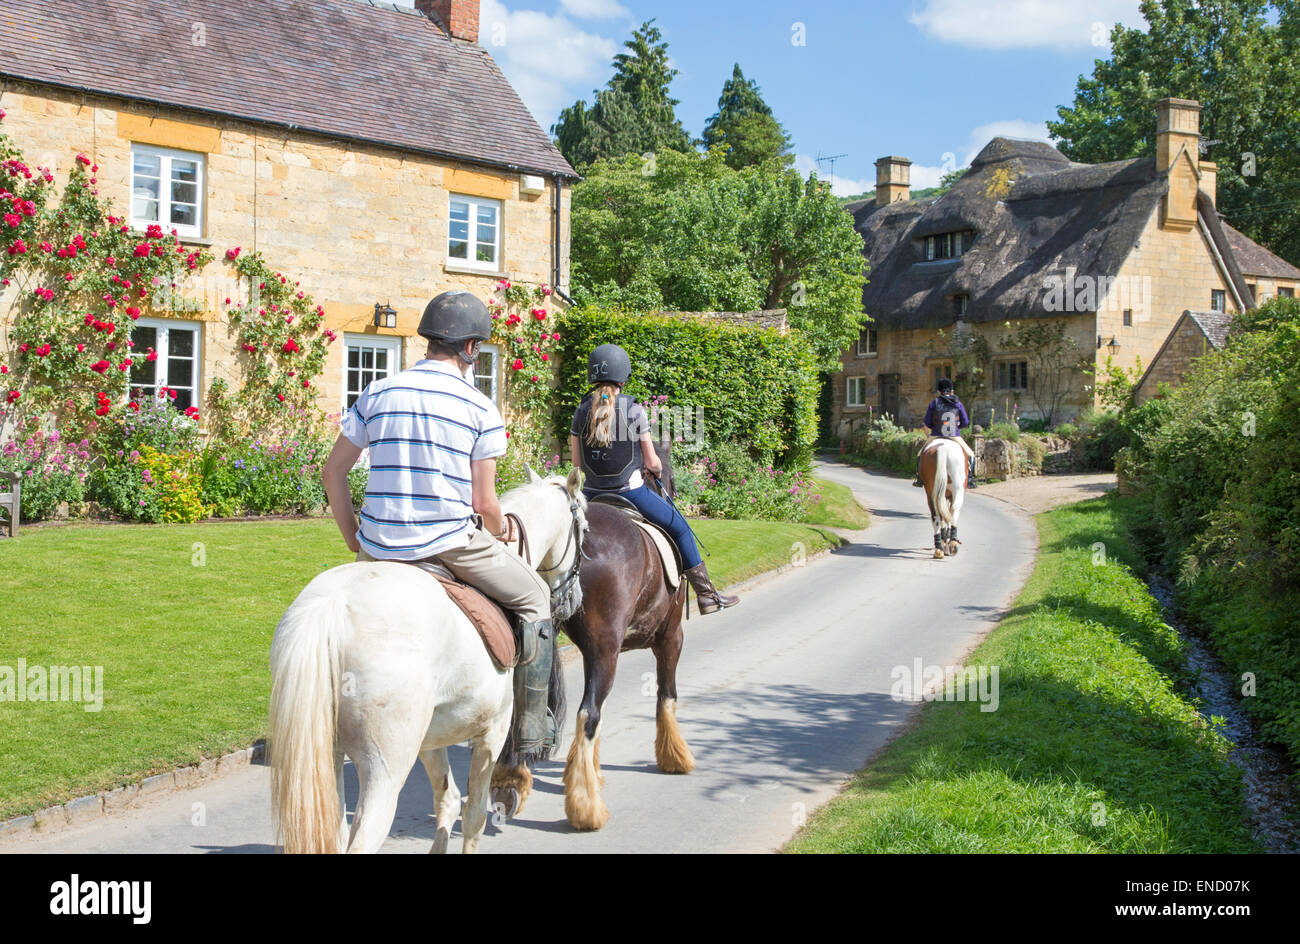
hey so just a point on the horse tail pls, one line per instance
(305, 682)
(938, 491)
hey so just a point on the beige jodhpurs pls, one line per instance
(485, 564)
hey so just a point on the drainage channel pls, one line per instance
(1266, 771)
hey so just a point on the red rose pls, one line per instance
(99, 366)
(290, 346)
(83, 160)
(13, 395)
(517, 365)
(142, 250)
(280, 397)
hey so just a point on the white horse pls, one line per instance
(374, 661)
(943, 472)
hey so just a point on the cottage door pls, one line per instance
(889, 384)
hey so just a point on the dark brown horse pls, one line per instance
(626, 604)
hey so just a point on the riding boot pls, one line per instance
(970, 476)
(917, 481)
(708, 596)
(534, 728)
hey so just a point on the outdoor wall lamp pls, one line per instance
(385, 316)
(1112, 346)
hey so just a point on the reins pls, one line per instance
(523, 537)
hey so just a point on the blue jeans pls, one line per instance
(658, 511)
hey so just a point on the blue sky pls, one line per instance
(930, 80)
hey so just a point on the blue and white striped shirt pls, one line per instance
(423, 426)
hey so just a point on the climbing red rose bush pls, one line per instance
(526, 332)
(82, 278)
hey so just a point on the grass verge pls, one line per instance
(180, 617)
(838, 508)
(1094, 746)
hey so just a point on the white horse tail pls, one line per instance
(938, 493)
(305, 682)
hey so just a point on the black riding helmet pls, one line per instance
(456, 317)
(608, 363)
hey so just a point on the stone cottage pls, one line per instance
(1113, 253)
(374, 152)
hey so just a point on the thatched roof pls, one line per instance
(1035, 213)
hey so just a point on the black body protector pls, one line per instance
(608, 468)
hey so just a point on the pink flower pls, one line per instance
(517, 365)
(83, 160)
(233, 254)
(18, 248)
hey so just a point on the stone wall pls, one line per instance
(355, 224)
(1187, 343)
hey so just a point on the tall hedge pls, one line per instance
(1218, 460)
(757, 386)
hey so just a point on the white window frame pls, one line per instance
(495, 353)
(164, 327)
(166, 156)
(391, 345)
(473, 262)
(860, 383)
(869, 332)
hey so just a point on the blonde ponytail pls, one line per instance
(600, 420)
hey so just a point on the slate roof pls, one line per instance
(1035, 213)
(1255, 260)
(359, 70)
(1213, 324)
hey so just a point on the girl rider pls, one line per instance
(610, 440)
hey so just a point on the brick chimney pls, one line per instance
(1178, 154)
(893, 180)
(460, 17)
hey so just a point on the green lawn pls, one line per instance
(181, 618)
(1095, 746)
(838, 508)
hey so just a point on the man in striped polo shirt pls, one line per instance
(434, 439)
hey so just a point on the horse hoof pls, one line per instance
(938, 554)
(507, 800)
(952, 549)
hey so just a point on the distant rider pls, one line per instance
(946, 417)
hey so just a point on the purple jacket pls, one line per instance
(945, 416)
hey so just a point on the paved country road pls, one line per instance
(781, 699)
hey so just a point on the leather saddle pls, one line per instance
(495, 626)
(660, 538)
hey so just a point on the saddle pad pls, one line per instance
(667, 553)
(488, 618)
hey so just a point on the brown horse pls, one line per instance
(626, 604)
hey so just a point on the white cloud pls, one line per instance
(842, 186)
(548, 59)
(594, 9)
(1011, 128)
(1023, 24)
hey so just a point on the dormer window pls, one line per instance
(959, 304)
(948, 245)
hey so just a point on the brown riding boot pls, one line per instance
(709, 598)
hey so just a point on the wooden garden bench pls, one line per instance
(11, 499)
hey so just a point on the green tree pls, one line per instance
(634, 113)
(1235, 60)
(744, 125)
(686, 232)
